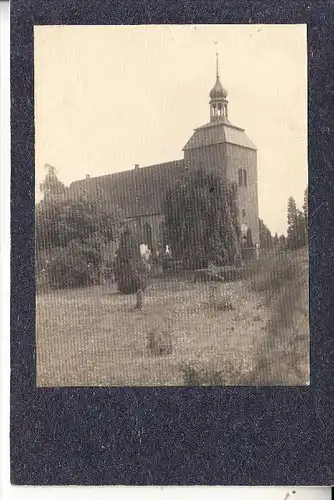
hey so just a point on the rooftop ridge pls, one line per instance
(127, 172)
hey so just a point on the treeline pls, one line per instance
(77, 239)
(72, 236)
(297, 233)
(297, 223)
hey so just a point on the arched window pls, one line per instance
(242, 177)
(148, 235)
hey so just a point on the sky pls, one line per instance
(108, 97)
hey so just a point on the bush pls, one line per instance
(219, 301)
(66, 268)
(159, 343)
(130, 280)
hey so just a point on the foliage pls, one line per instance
(201, 219)
(305, 214)
(297, 226)
(52, 187)
(60, 222)
(131, 269)
(275, 240)
(70, 267)
(159, 343)
(266, 239)
(282, 241)
(305, 205)
(74, 234)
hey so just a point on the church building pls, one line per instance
(217, 145)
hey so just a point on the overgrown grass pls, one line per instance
(283, 280)
(246, 332)
(282, 354)
(95, 336)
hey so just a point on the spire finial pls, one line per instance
(217, 66)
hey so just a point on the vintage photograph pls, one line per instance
(171, 211)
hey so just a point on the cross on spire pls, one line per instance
(217, 65)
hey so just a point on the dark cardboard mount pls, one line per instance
(188, 436)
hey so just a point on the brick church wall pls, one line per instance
(238, 157)
(209, 157)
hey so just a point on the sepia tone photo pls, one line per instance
(171, 205)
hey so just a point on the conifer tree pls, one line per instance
(297, 224)
(305, 204)
(305, 211)
(292, 224)
(275, 240)
(301, 229)
(131, 271)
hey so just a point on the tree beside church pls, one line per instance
(201, 219)
(72, 236)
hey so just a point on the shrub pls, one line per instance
(159, 343)
(131, 269)
(67, 268)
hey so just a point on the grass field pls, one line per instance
(95, 336)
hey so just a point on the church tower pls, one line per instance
(226, 149)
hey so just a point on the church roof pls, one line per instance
(136, 192)
(219, 132)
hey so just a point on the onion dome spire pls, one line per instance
(218, 98)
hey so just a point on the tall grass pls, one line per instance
(283, 280)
